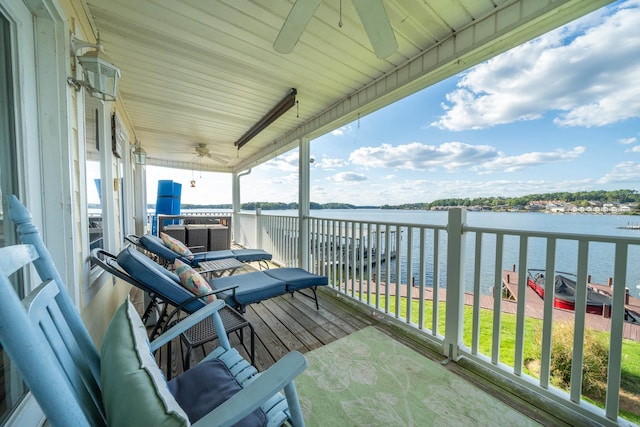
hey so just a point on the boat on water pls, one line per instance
(565, 293)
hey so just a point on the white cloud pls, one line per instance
(453, 156)
(535, 158)
(635, 149)
(417, 156)
(627, 141)
(286, 163)
(622, 173)
(328, 163)
(347, 177)
(341, 131)
(587, 76)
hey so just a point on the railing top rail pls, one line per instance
(392, 223)
(558, 235)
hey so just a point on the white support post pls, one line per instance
(455, 283)
(140, 200)
(304, 165)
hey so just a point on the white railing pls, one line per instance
(416, 273)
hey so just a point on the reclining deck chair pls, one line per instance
(76, 386)
(155, 245)
(238, 291)
(164, 294)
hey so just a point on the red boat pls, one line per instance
(565, 293)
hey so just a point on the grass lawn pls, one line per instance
(630, 381)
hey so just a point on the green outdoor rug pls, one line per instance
(370, 379)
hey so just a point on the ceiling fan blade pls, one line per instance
(376, 23)
(219, 158)
(294, 25)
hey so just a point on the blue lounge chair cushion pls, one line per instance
(206, 386)
(138, 393)
(251, 255)
(297, 278)
(156, 245)
(211, 256)
(252, 287)
(156, 278)
(242, 255)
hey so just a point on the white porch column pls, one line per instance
(235, 205)
(455, 283)
(304, 179)
(140, 199)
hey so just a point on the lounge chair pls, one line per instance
(237, 291)
(155, 245)
(164, 294)
(76, 386)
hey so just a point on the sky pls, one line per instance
(559, 113)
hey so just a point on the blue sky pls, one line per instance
(560, 113)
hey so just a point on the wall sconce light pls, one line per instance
(139, 155)
(100, 73)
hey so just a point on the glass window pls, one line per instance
(12, 389)
(94, 187)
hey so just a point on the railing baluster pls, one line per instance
(378, 261)
(497, 301)
(398, 271)
(435, 327)
(615, 338)
(579, 325)
(547, 318)
(475, 327)
(387, 292)
(522, 288)
(422, 279)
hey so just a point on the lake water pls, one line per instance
(600, 255)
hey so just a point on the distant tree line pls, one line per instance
(579, 198)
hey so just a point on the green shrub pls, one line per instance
(594, 365)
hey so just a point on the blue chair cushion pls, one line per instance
(211, 256)
(243, 255)
(156, 278)
(252, 287)
(250, 255)
(205, 387)
(297, 278)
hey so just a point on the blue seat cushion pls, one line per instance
(211, 256)
(250, 255)
(297, 278)
(252, 287)
(206, 386)
(156, 278)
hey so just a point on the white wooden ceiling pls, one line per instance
(205, 71)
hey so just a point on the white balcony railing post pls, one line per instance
(259, 231)
(453, 334)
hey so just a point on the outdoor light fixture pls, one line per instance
(139, 155)
(277, 111)
(100, 73)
